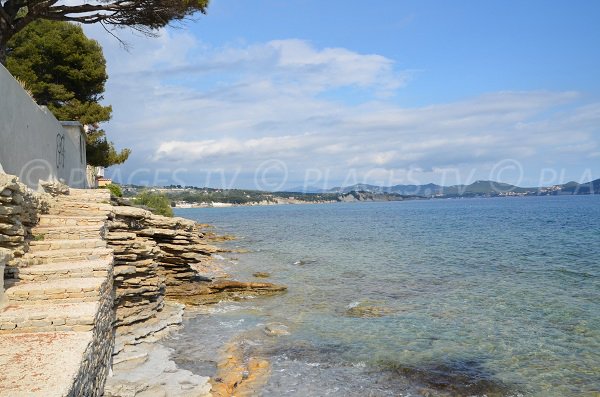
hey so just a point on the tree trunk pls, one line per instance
(4, 36)
(3, 54)
(3, 44)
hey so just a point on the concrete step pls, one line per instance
(45, 233)
(64, 220)
(64, 255)
(47, 245)
(60, 270)
(43, 317)
(65, 290)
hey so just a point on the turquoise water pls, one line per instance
(495, 297)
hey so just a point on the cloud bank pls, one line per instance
(188, 107)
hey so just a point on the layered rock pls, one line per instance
(138, 286)
(153, 254)
(19, 212)
(154, 257)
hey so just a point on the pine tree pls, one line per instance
(66, 71)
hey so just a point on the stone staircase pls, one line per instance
(61, 292)
(67, 267)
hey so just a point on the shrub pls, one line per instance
(157, 202)
(115, 189)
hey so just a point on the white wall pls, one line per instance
(33, 145)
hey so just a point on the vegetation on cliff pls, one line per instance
(157, 202)
(115, 190)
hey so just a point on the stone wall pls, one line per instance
(97, 358)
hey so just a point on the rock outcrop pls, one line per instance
(19, 211)
(88, 282)
(154, 257)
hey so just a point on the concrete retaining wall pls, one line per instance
(33, 144)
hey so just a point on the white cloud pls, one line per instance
(180, 103)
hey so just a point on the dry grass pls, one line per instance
(24, 85)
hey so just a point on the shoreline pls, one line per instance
(299, 202)
(147, 360)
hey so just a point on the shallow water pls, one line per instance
(493, 297)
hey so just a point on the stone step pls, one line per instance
(89, 193)
(64, 220)
(77, 213)
(47, 245)
(83, 199)
(64, 255)
(81, 206)
(65, 290)
(41, 364)
(58, 270)
(43, 317)
(44, 233)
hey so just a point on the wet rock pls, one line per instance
(367, 310)
(157, 375)
(238, 375)
(219, 290)
(276, 329)
(455, 378)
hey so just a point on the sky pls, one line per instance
(274, 95)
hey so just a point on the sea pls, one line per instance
(443, 297)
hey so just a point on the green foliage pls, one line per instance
(63, 69)
(157, 202)
(238, 196)
(142, 15)
(115, 189)
(101, 152)
(66, 71)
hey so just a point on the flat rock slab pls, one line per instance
(156, 375)
(40, 364)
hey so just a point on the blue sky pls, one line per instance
(274, 94)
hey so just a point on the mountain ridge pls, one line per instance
(480, 187)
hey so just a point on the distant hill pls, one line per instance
(592, 187)
(478, 188)
(190, 195)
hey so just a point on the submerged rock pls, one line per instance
(238, 375)
(218, 290)
(276, 329)
(366, 310)
(456, 378)
(261, 274)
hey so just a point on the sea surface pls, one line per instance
(461, 297)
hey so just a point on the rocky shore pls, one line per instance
(108, 282)
(157, 262)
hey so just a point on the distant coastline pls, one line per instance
(195, 197)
